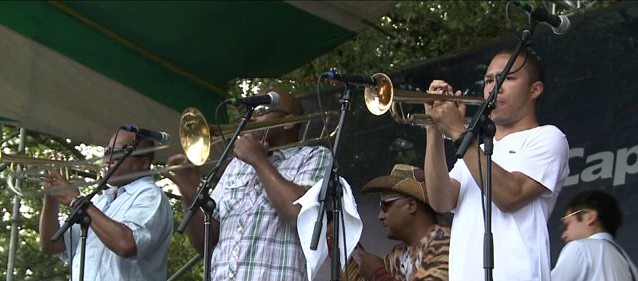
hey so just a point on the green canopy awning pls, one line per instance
(79, 69)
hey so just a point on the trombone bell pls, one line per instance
(194, 135)
(198, 140)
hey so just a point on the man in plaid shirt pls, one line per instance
(254, 233)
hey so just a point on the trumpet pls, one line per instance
(15, 163)
(198, 141)
(383, 97)
(16, 168)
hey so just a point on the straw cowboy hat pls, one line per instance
(404, 179)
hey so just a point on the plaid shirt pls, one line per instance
(255, 243)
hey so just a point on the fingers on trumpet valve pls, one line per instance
(442, 91)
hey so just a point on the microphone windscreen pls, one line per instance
(274, 98)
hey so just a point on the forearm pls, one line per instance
(188, 182)
(507, 188)
(437, 180)
(49, 225)
(281, 192)
(114, 235)
(373, 268)
(195, 228)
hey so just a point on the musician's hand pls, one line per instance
(367, 261)
(460, 105)
(187, 177)
(59, 189)
(356, 254)
(449, 116)
(438, 87)
(249, 149)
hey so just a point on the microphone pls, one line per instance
(350, 79)
(559, 24)
(271, 98)
(158, 137)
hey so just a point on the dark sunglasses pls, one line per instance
(265, 109)
(387, 203)
(116, 153)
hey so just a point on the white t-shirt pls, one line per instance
(521, 239)
(593, 259)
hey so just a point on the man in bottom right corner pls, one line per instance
(591, 253)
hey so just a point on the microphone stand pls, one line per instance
(331, 188)
(205, 202)
(79, 214)
(185, 268)
(482, 125)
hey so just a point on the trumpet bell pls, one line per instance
(379, 97)
(382, 97)
(194, 135)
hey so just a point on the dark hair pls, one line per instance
(532, 63)
(145, 143)
(428, 210)
(609, 214)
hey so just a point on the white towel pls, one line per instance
(306, 221)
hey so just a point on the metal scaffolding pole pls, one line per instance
(15, 216)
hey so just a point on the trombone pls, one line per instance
(383, 97)
(198, 140)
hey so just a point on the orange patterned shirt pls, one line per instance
(426, 261)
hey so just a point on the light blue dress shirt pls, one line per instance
(144, 208)
(596, 258)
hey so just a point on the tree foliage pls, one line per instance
(414, 31)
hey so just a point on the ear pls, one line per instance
(147, 162)
(412, 206)
(536, 89)
(289, 125)
(591, 217)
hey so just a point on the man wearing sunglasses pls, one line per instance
(131, 222)
(406, 216)
(590, 225)
(254, 233)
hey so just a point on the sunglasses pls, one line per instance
(573, 213)
(265, 109)
(387, 203)
(117, 153)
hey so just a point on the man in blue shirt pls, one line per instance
(131, 223)
(590, 223)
